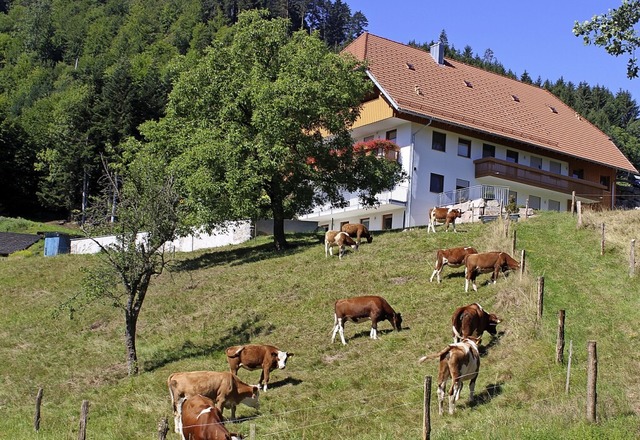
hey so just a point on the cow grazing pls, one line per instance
(461, 362)
(453, 257)
(340, 239)
(201, 420)
(358, 230)
(472, 321)
(446, 215)
(224, 388)
(362, 308)
(485, 262)
(252, 357)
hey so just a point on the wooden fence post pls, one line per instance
(526, 209)
(592, 379)
(36, 417)
(163, 428)
(252, 431)
(632, 258)
(602, 241)
(513, 242)
(566, 386)
(540, 297)
(426, 421)
(573, 202)
(579, 203)
(560, 339)
(522, 258)
(84, 411)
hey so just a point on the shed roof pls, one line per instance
(466, 96)
(11, 242)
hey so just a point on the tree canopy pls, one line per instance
(615, 31)
(260, 127)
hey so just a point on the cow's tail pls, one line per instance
(435, 355)
(234, 351)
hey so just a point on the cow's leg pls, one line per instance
(341, 251)
(466, 283)
(339, 327)
(472, 387)
(264, 378)
(336, 328)
(374, 329)
(441, 394)
(454, 393)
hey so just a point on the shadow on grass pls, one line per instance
(249, 254)
(367, 333)
(493, 341)
(491, 390)
(236, 335)
(284, 382)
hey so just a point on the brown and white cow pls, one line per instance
(446, 215)
(254, 356)
(453, 257)
(224, 388)
(495, 262)
(340, 239)
(357, 230)
(472, 321)
(461, 362)
(201, 420)
(363, 308)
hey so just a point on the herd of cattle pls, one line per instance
(199, 397)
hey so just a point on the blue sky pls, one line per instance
(532, 36)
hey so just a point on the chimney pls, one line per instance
(437, 52)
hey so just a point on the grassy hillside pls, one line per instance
(365, 390)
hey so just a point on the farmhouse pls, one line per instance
(466, 136)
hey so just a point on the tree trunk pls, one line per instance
(278, 233)
(131, 319)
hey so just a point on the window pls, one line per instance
(554, 205)
(387, 221)
(606, 181)
(512, 156)
(535, 162)
(342, 224)
(513, 197)
(555, 167)
(462, 190)
(368, 138)
(365, 222)
(325, 227)
(438, 141)
(488, 150)
(392, 135)
(578, 174)
(437, 183)
(534, 202)
(464, 148)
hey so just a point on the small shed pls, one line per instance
(56, 243)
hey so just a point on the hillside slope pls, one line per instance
(364, 390)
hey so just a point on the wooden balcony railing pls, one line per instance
(501, 169)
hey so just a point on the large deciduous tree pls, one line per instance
(260, 128)
(615, 32)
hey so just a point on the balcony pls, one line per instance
(501, 169)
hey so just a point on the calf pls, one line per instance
(340, 239)
(448, 215)
(362, 308)
(461, 362)
(485, 262)
(252, 357)
(358, 230)
(472, 321)
(224, 388)
(201, 420)
(453, 257)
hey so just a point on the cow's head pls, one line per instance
(493, 322)
(253, 400)
(455, 213)
(397, 321)
(282, 357)
(370, 238)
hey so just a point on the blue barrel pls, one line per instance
(56, 243)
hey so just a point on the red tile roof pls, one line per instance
(467, 96)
